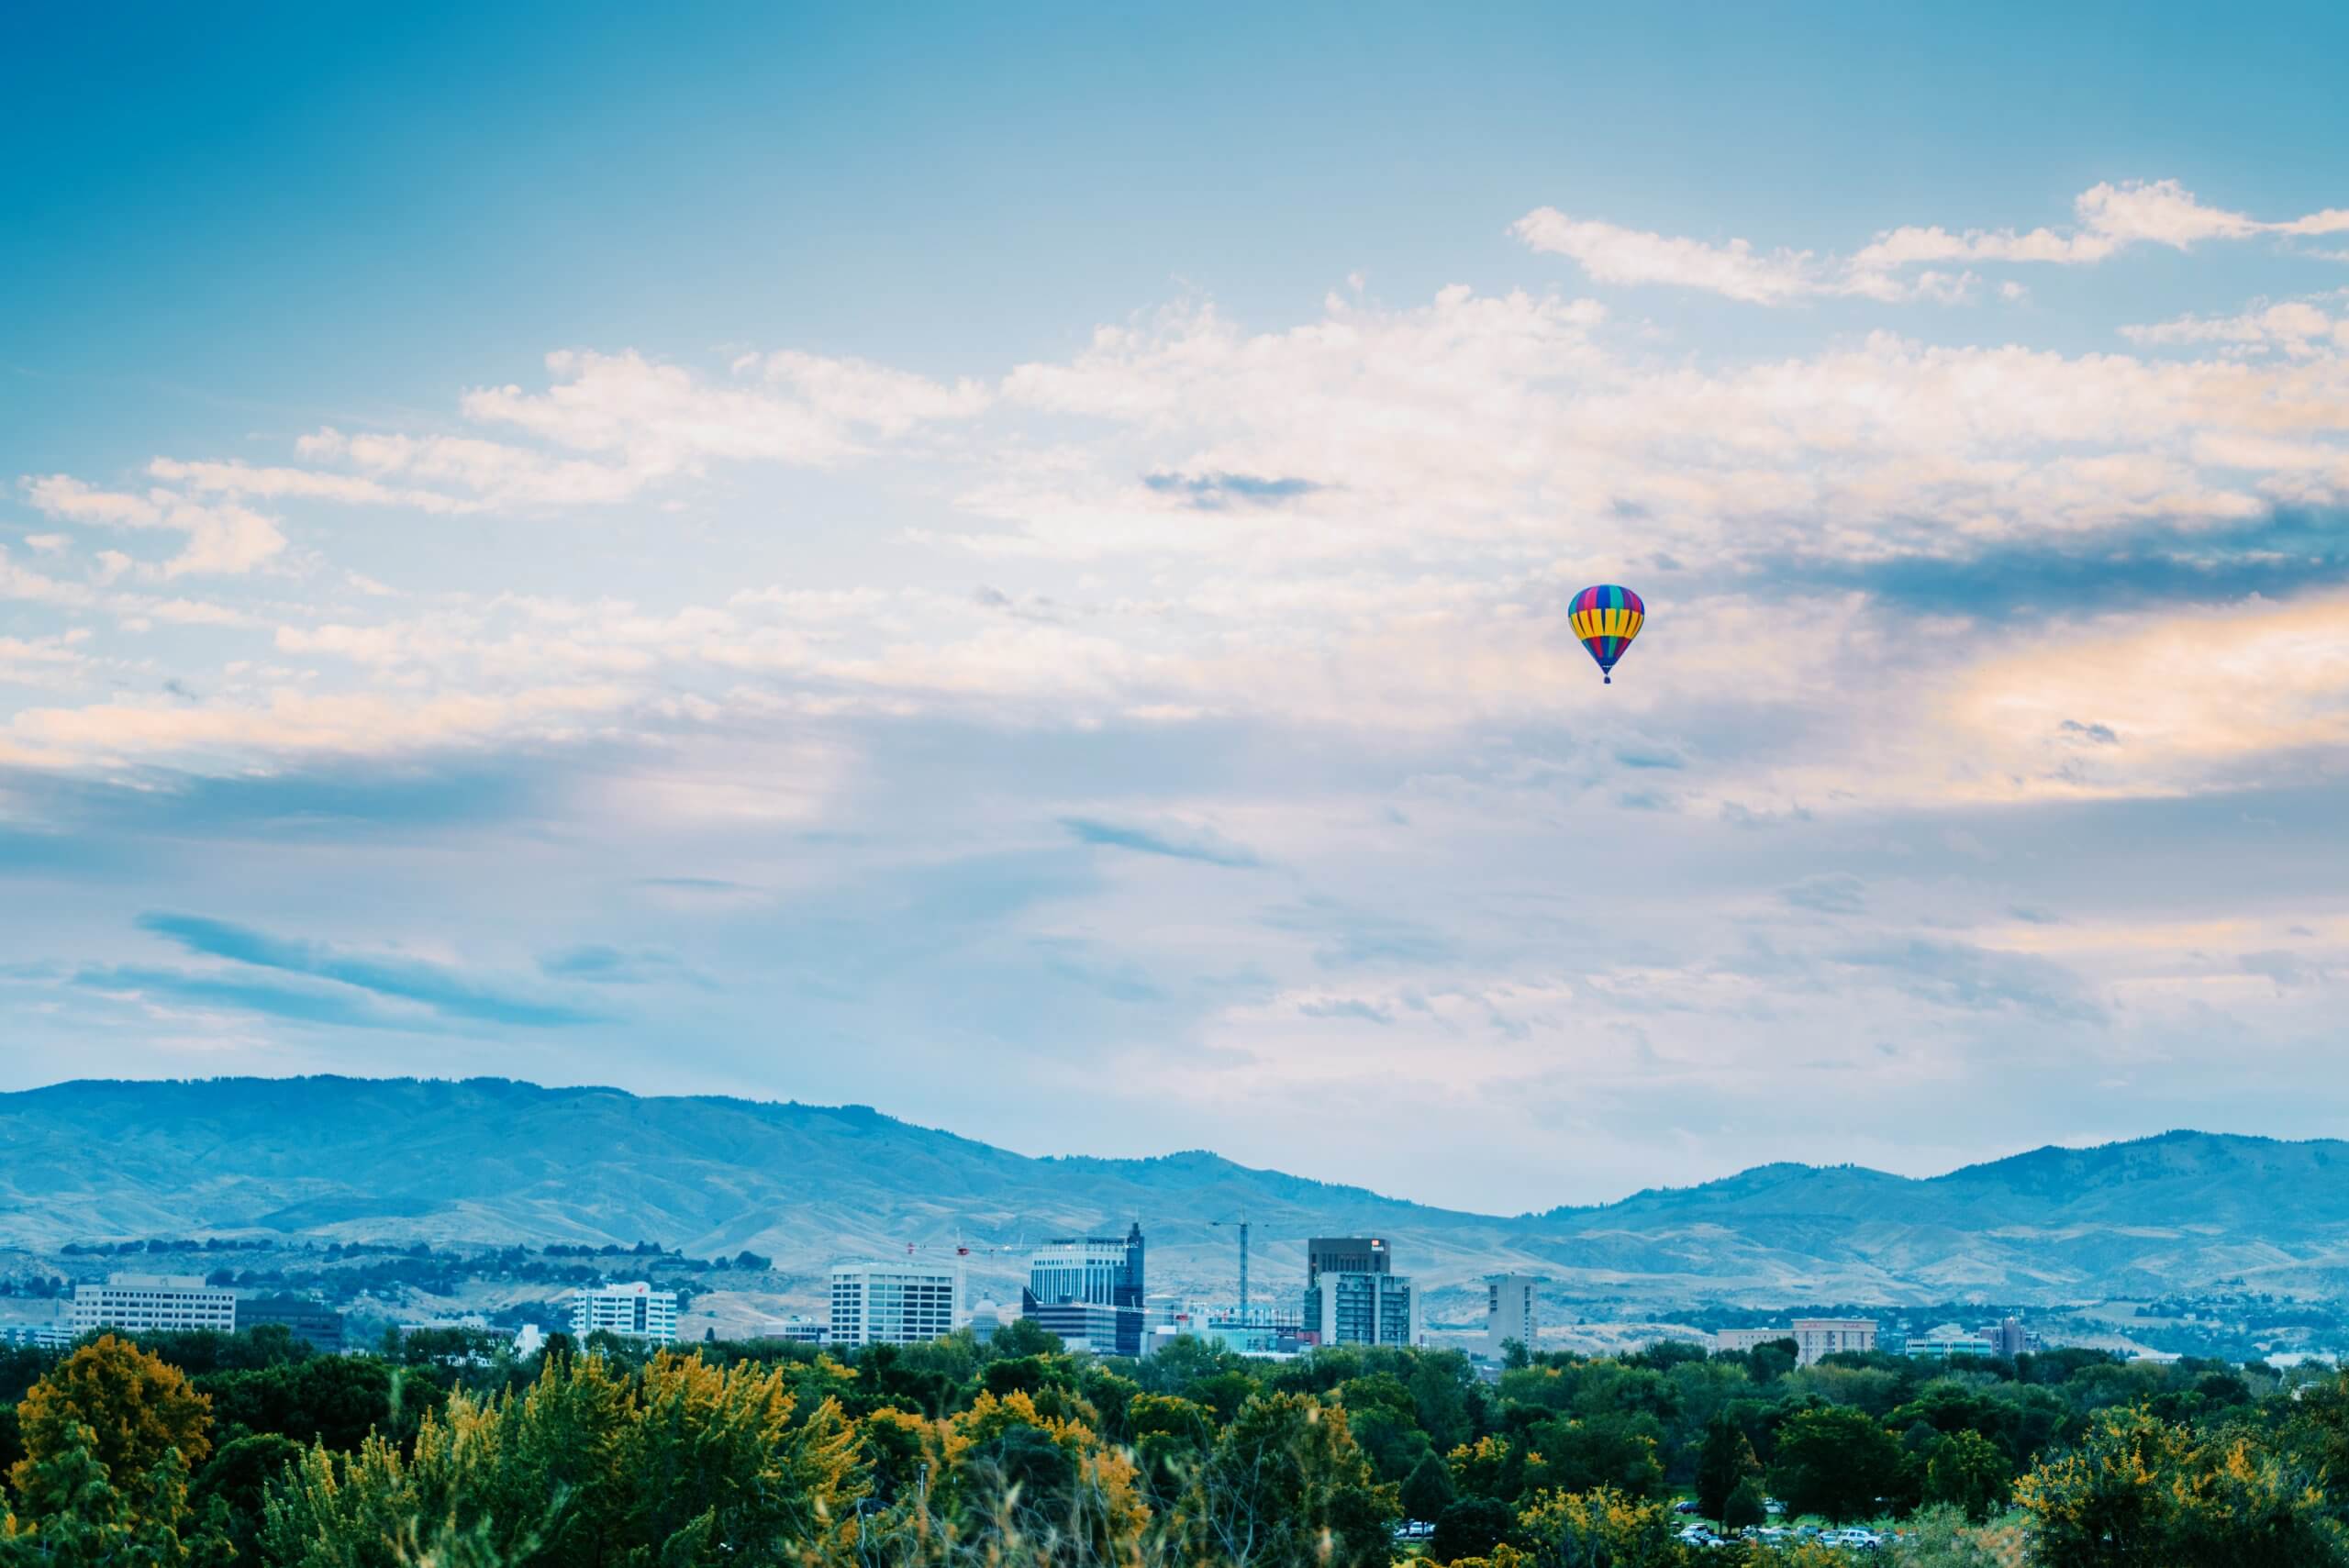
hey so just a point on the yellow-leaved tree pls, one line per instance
(1600, 1529)
(137, 1405)
(1033, 1487)
(2139, 1490)
(677, 1465)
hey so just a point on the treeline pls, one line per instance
(446, 1449)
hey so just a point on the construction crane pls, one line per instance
(1239, 1219)
(962, 1249)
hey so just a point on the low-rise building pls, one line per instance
(313, 1322)
(1949, 1342)
(46, 1336)
(1816, 1337)
(1087, 1325)
(1261, 1333)
(1748, 1339)
(799, 1328)
(152, 1304)
(634, 1311)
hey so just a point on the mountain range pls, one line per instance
(497, 1161)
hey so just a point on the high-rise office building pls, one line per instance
(1512, 1311)
(1107, 1270)
(1353, 1297)
(635, 1311)
(2011, 1338)
(152, 1304)
(1346, 1255)
(1089, 1291)
(893, 1304)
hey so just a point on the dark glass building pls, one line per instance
(1089, 1291)
(314, 1322)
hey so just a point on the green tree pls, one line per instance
(1746, 1505)
(336, 1400)
(1170, 1438)
(1471, 1526)
(1771, 1361)
(1446, 1397)
(1286, 1487)
(1023, 1336)
(238, 1476)
(1834, 1462)
(1427, 1491)
(1617, 1450)
(1725, 1463)
(75, 1517)
(1967, 1469)
(1391, 1441)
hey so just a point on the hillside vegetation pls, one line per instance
(495, 1162)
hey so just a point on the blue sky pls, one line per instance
(1008, 565)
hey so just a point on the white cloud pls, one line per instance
(222, 538)
(61, 495)
(288, 721)
(1372, 513)
(855, 391)
(180, 612)
(22, 583)
(496, 473)
(2298, 328)
(279, 483)
(1613, 254)
(633, 423)
(2109, 219)
(663, 419)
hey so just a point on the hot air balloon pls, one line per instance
(1607, 619)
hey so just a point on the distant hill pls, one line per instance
(493, 1161)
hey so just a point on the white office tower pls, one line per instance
(154, 1304)
(893, 1304)
(634, 1311)
(1512, 1312)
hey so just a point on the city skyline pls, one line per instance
(1014, 570)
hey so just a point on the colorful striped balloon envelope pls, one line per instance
(1607, 618)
